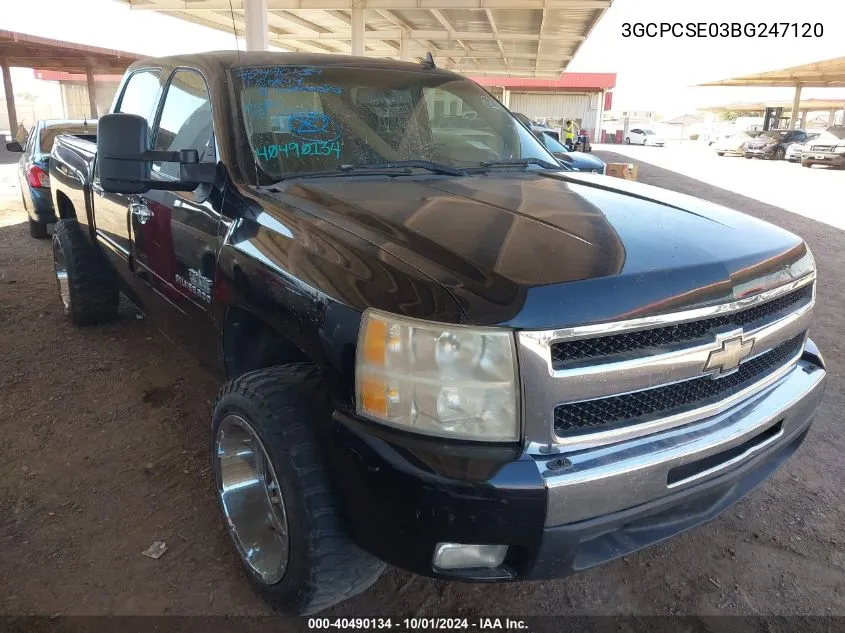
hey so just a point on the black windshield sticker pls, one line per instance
(285, 78)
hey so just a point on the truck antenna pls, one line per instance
(234, 29)
(238, 49)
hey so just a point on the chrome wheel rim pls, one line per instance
(251, 499)
(60, 266)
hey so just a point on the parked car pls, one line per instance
(827, 149)
(454, 357)
(772, 144)
(578, 161)
(733, 144)
(794, 151)
(34, 168)
(644, 136)
(571, 159)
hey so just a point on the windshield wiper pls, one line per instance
(345, 170)
(437, 168)
(393, 168)
(516, 162)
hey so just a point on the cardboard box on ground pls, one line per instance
(627, 171)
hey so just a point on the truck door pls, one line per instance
(175, 233)
(140, 96)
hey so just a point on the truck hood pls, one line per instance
(556, 249)
(582, 161)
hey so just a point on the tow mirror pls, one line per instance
(125, 162)
(14, 146)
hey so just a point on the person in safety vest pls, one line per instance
(569, 134)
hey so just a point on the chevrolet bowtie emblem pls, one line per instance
(726, 359)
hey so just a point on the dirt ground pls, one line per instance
(104, 450)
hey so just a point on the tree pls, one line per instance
(733, 115)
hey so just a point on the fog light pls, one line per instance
(460, 556)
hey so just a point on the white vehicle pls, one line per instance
(795, 150)
(732, 144)
(643, 136)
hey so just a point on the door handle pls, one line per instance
(95, 187)
(141, 212)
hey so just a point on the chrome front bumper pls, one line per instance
(606, 479)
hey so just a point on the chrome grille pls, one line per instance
(646, 340)
(670, 399)
(597, 384)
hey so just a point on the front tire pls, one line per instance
(87, 293)
(804, 163)
(720, 153)
(38, 230)
(780, 153)
(274, 494)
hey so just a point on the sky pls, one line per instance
(652, 73)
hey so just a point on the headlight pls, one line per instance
(446, 380)
(839, 149)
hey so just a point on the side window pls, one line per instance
(140, 95)
(636, 131)
(185, 121)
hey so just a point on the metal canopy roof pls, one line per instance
(29, 51)
(811, 105)
(825, 74)
(525, 38)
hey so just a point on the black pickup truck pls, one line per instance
(440, 350)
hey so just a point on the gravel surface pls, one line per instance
(105, 450)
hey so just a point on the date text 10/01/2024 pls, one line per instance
(416, 624)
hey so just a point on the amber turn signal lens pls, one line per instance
(374, 342)
(374, 396)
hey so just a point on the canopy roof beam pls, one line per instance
(347, 5)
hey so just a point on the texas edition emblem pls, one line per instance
(726, 360)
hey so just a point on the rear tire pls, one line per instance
(38, 230)
(780, 153)
(85, 288)
(316, 565)
(627, 140)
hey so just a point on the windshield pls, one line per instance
(648, 132)
(307, 119)
(772, 135)
(552, 144)
(49, 134)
